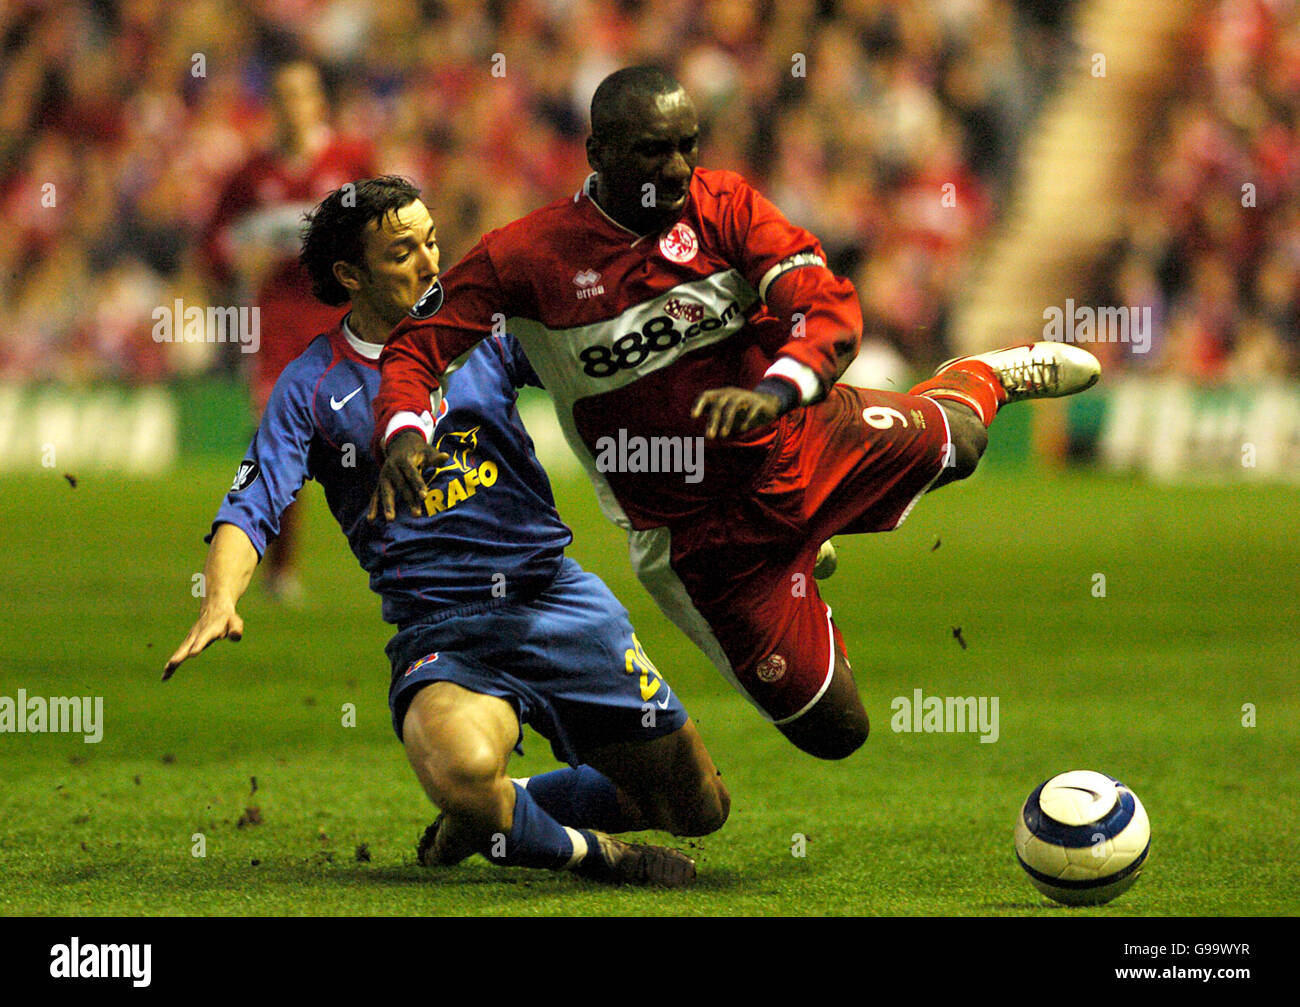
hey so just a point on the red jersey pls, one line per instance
(263, 204)
(626, 331)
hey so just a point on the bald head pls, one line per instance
(623, 98)
(643, 147)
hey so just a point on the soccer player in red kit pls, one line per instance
(253, 239)
(666, 307)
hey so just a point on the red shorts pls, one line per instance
(739, 580)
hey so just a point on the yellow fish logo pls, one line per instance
(463, 443)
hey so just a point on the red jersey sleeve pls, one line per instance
(787, 266)
(424, 345)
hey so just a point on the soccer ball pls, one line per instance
(1082, 838)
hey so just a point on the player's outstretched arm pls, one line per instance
(402, 475)
(231, 561)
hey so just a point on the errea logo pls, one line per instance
(588, 283)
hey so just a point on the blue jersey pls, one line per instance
(490, 529)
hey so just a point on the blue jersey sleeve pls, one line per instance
(276, 465)
(518, 369)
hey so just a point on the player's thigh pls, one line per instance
(672, 779)
(869, 455)
(768, 629)
(456, 739)
(799, 675)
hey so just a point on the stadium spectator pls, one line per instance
(1213, 233)
(251, 243)
(843, 111)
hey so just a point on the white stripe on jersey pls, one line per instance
(592, 359)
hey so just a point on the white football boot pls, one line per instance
(826, 561)
(1038, 370)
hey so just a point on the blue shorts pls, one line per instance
(566, 658)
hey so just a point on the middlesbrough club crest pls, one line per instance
(679, 244)
(771, 668)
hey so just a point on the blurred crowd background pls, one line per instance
(1213, 237)
(850, 115)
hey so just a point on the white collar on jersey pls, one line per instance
(370, 351)
(586, 191)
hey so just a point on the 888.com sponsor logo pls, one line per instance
(658, 335)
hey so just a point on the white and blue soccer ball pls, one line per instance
(1082, 837)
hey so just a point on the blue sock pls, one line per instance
(536, 839)
(581, 798)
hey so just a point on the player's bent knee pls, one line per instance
(837, 744)
(969, 440)
(466, 779)
(471, 766)
(721, 809)
(831, 737)
(973, 446)
(706, 814)
(837, 725)
(847, 742)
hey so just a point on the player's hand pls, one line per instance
(403, 476)
(216, 622)
(735, 410)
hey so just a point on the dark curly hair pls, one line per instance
(334, 231)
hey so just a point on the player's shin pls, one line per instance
(535, 839)
(538, 840)
(970, 382)
(583, 798)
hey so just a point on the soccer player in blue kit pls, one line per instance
(496, 626)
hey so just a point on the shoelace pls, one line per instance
(1033, 375)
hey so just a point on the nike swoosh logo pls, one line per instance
(337, 404)
(664, 704)
(1084, 790)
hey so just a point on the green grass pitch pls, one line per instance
(1148, 683)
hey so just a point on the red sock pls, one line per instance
(970, 382)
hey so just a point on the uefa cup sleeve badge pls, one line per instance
(680, 244)
(771, 668)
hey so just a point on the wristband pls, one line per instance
(785, 391)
